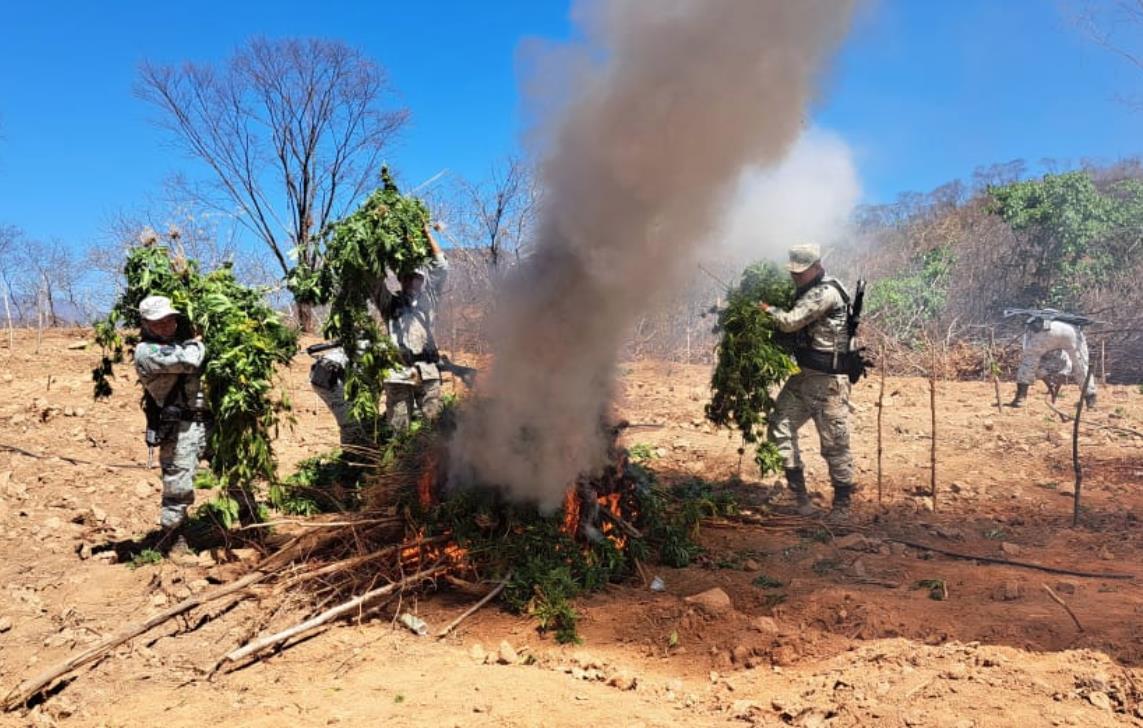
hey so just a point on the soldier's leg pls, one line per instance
(1035, 346)
(429, 398)
(350, 431)
(790, 413)
(399, 404)
(831, 417)
(1078, 353)
(178, 458)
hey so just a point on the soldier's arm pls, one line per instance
(811, 307)
(438, 266)
(153, 358)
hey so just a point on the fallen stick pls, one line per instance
(1065, 417)
(67, 458)
(320, 524)
(355, 561)
(1057, 600)
(475, 607)
(621, 524)
(326, 616)
(28, 689)
(1006, 562)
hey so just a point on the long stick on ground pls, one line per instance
(880, 412)
(326, 616)
(1055, 598)
(1021, 564)
(1065, 417)
(1075, 448)
(28, 689)
(475, 607)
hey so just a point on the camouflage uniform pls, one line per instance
(351, 431)
(819, 319)
(1043, 339)
(160, 366)
(410, 320)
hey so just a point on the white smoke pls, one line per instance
(665, 106)
(809, 197)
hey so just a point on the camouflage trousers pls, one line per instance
(824, 398)
(178, 458)
(350, 430)
(403, 400)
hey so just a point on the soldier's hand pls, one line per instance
(765, 307)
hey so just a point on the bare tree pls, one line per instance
(1116, 26)
(292, 131)
(497, 214)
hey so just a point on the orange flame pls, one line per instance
(571, 511)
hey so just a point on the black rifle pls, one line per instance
(323, 346)
(1050, 314)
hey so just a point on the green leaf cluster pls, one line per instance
(904, 303)
(1075, 236)
(384, 235)
(753, 358)
(246, 341)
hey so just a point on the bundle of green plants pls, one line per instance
(754, 359)
(384, 235)
(246, 342)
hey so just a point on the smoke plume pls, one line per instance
(667, 103)
(809, 197)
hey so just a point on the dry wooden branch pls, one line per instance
(623, 525)
(1020, 564)
(475, 607)
(1057, 600)
(1075, 448)
(29, 689)
(322, 524)
(880, 414)
(326, 616)
(1065, 417)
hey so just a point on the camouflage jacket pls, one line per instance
(160, 365)
(818, 317)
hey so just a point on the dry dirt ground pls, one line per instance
(841, 636)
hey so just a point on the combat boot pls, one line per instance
(1021, 395)
(842, 501)
(1089, 400)
(796, 481)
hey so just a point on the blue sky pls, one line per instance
(924, 91)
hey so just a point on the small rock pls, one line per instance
(740, 653)
(159, 600)
(80, 412)
(723, 659)
(898, 549)
(478, 654)
(753, 662)
(742, 709)
(765, 625)
(198, 585)
(107, 557)
(1010, 549)
(858, 569)
(784, 656)
(751, 565)
(714, 601)
(5, 624)
(1106, 554)
(144, 489)
(1007, 592)
(989, 425)
(853, 541)
(506, 655)
(83, 550)
(623, 680)
(98, 514)
(53, 523)
(77, 345)
(1099, 700)
(1066, 587)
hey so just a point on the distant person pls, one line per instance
(820, 390)
(410, 315)
(177, 413)
(1044, 336)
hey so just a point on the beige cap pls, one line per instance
(803, 257)
(154, 308)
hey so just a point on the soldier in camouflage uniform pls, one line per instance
(1045, 339)
(410, 315)
(820, 390)
(171, 374)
